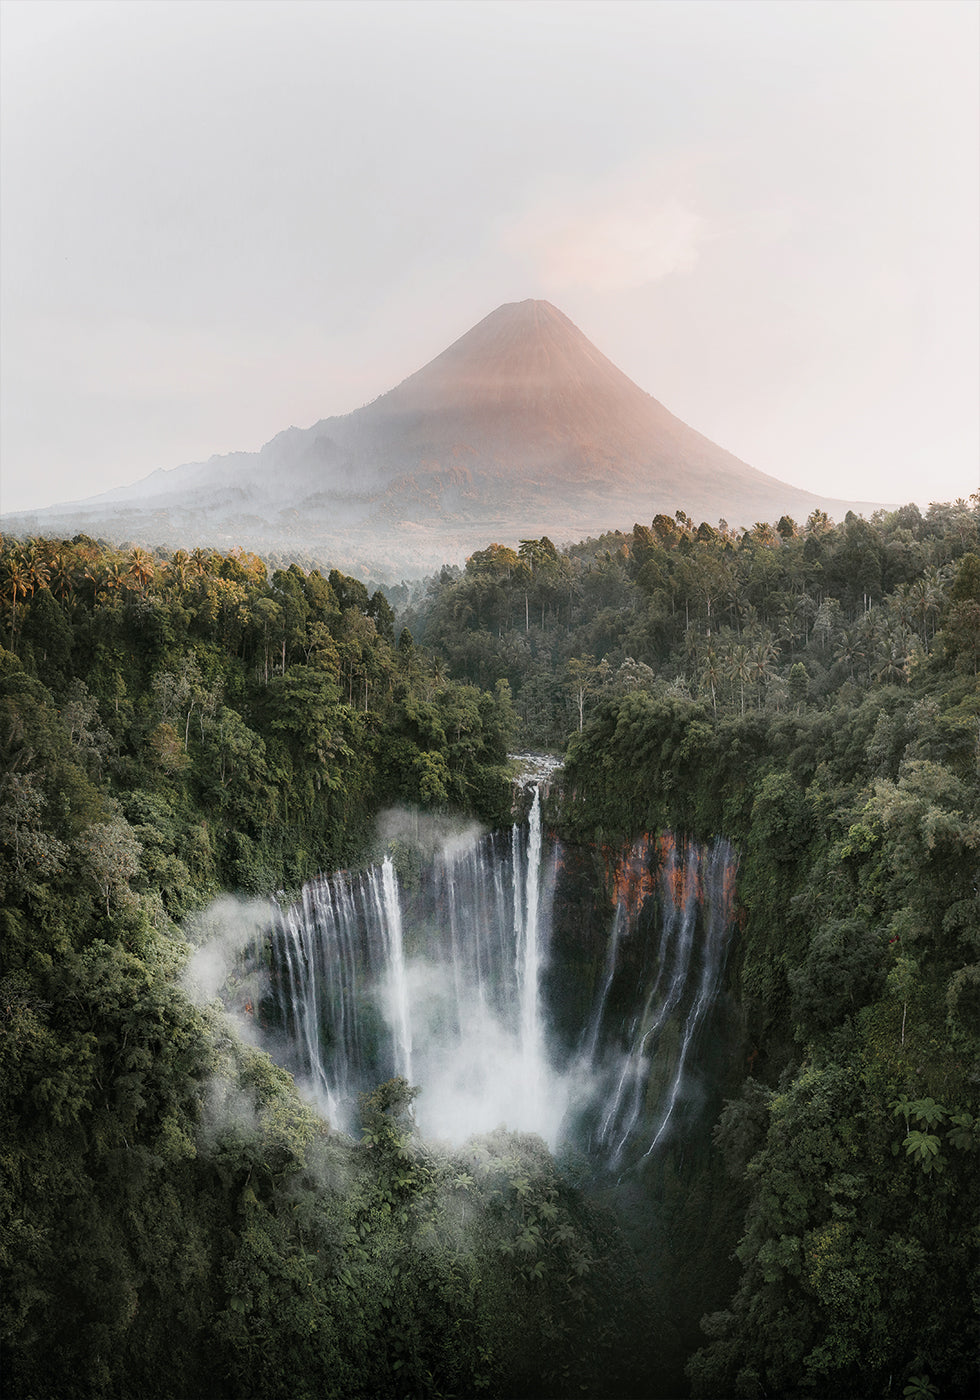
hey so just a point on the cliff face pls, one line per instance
(520, 428)
(572, 991)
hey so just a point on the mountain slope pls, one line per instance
(520, 428)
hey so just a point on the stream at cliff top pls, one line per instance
(487, 977)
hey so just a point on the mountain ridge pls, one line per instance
(521, 426)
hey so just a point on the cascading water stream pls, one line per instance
(657, 1045)
(394, 947)
(680, 906)
(720, 864)
(587, 1047)
(529, 967)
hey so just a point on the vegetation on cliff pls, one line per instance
(174, 1221)
(812, 693)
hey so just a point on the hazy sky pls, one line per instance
(220, 219)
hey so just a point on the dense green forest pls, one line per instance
(175, 1222)
(770, 619)
(812, 693)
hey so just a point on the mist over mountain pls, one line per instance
(520, 428)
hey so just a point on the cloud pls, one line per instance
(616, 244)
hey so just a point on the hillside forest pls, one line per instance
(175, 1221)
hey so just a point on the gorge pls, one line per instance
(516, 979)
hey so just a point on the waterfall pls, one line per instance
(459, 980)
(529, 967)
(587, 1046)
(656, 1040)
(394, 949)
(719, 892)
(679, 896)
(441, 984)
(317, 964)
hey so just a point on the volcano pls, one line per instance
(520, 428)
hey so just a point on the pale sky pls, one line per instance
(221, 219)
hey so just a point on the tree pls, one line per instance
(178, 568)
(46, 632)
(711, 676)
(111, 854)
(62, 580)
(740, 670)
(91, 740)
(585, 677)
(960, 634)
(183, 691)
(304, 710)
(384, 618)
(239, 750)
(16, 584)
(290, 595)
(268, 616)
(141, 568)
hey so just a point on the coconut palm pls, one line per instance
(113, 578)
(37, 567)
(178, 568)
(712, 675)
(739, 669)
(62, 577)
(16, 584)
(929, 594)
(141, 568)
(851, 648)
(762, 655)
(200, 562)
(897, 656)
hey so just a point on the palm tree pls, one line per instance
(734, 598)
(929, 593)
(806, 610)
(141, 568)
(851, 648)
(439, 674)
(903, 604)
(36, 566)
(762, 656)
(763, 532)
(200, 562)
(740, 669)
(62, 577)
(897, 655)
(788, 625)
(16, 583)
(112, 578)
(178, 567)
(828, 621)
(711, 676)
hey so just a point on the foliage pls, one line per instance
(764, 619)
(174, 1222)
(814, 697)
